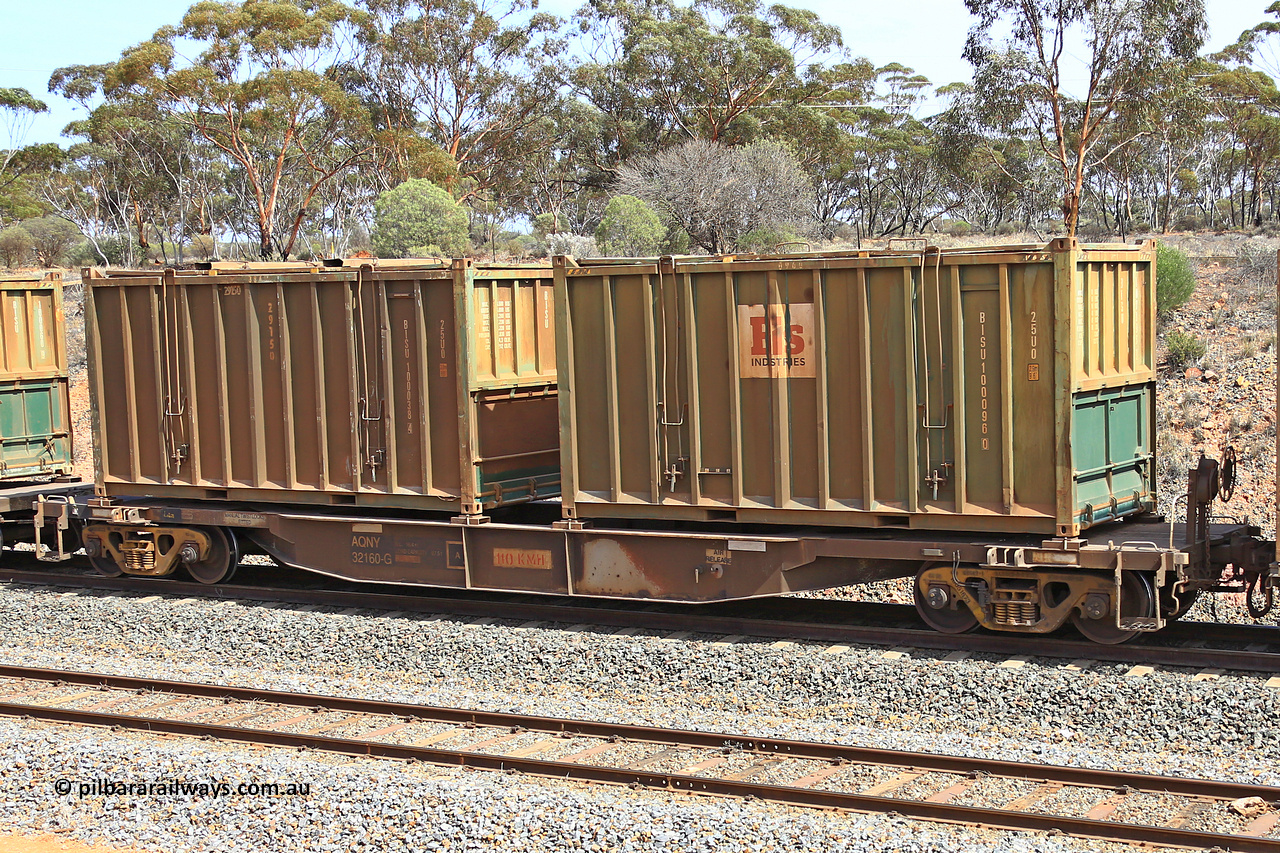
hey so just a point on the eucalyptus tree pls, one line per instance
(344, 206)
(1248, 103)
(18, 109)
(828, 157)
(117, 175)
(1257, 46)
(982, 168)
(727, 71)
(826, 136)
(258, 92)
(88, 190)
(1177, 117)
(1019, 83)
(566, 175)
(874, 165)
(1160, 139)
(471, 76)
(150, 175)
(999, 177)
(20, 163)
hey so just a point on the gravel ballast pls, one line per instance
(372, 805)
(1162, 722)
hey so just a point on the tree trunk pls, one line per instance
(1071, 211)
(1257, 197)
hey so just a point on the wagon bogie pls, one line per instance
(1039, 602)
(208, 554)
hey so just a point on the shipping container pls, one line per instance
(415, 385)
(996, 389)
(35, 409)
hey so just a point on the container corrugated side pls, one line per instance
(343, 386)
(1003, 389)
(35, 409)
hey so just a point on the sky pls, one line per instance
(926, 35)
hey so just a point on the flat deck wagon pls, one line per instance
(980, 420)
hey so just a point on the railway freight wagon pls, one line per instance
(1002, 390)
(980, 420)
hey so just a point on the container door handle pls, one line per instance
(175, 399)
(937, 304)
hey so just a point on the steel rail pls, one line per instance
(790, 795)
(937, 762)
(620, 614)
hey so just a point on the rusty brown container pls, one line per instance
(997, 389)
(417, 385)
(35, 408)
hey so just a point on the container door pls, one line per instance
(512, 387)
(1113, 387)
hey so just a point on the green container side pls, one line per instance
(34, 438)
(1114, 461)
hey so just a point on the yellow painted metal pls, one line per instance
(922, 388)
(31, 321)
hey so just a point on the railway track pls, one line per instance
(1080, 802)
(1241, 648)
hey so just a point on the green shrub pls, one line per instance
(767, 240)
(203, 246)
(1183, 348)
(630, 228)
(520, 246)
(676, 241)
(544, 225)
(118, 250)
(52, 236)
(418, 215)
(16, 246)
(162, 252)
(1175, 280)
(83, 255)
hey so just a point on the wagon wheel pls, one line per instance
(102, 562)
(106, 567)
(220, 564)
(1136, 599)
(947, 614)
